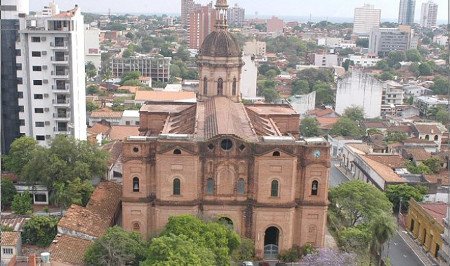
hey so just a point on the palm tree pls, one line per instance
(383, 228)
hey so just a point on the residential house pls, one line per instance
(113, 118)
(11, 245)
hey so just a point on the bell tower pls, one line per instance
(222, 15)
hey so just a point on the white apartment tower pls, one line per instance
(51, 89)
(428, 16)
(366, 18)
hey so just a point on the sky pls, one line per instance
(286, 8)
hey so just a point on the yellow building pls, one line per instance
(426, 223)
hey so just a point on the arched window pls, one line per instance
(315, 188)
(205, 86)
(427, 137)
(176, 187)
(177, 151)
(241, 186)
(220, 86)
(274, 189)
(276, 153)
(136, 227)
(135, 184)
(234, 86)
(436, 138)
(210, 186)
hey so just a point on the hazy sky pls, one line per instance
(298, 8)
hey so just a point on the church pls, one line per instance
(218, 158)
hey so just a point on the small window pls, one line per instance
(211, 146)
(436, 138)
(37, 68)
(276, 154)
(40, 198)
(22, 122)
(135, 149)
(427, 137)
(20, 95)
(234, 87)
(35, 39)
(241, 186)
(177, 151)
(136, 227)
(21, 108)
(135, 184)
(18, 66)
(19, 80)
(39, 110)
(242, 147)
(37, 82)
(315, 188)
(274, 189)
(35, 54)
(8, 251)
(18, 52)
(176, 187)
(210, 186)
(40, 137)
(39, 124)
(226, 144)
(205, 86)
(38, 96)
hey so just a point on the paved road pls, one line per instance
(401, 254)
(336, 177)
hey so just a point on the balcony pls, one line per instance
(59, 45)
(60, 60)
(61, 88)
(60, 74)
(64, 117)
(61, 102)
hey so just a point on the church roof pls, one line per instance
(220, 43)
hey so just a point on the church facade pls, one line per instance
(244, 164)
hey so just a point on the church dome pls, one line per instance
(220, 43)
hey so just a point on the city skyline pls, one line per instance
(323, 9)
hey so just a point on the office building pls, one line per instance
(406, 12)
(11, 11)
(186, 10)
(51, 77)
(385, 40)
(202, 21)
(428, 14)
(156, 67)
(275, 25)
(221, 159)
(92, 46)
(236, 16)
(366, 18)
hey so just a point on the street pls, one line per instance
(336, 177)
(401, 254)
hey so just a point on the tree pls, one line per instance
(264, 68)
(362, 42)
(357, 202)
(347, 128)
(91, 106)
(117, 247)
(442, 116)
(40, 230)
(133, 75)
(309, 127)
(329, 257)
(418, 169)
(440, 86)
(8, 192)
(425, 69)
(178, 250)
(270, 95)
(395, 136)
(347, 63)
(383, 228)
(300, 87)
(414, 68)
(434, 164)
(387, 75)
(355, 239)
(355, 113)
(20, 154)
(22, 203)
(324, 94)
(395, 57)
(382, 65)
(313, 76)
(245, 251)
(91, 70)
(220, 239)
(404, 192)
(413, 55)
(92, 89)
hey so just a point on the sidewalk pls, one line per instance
(415, 247)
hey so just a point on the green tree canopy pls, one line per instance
(357, 202)
(178, 250)
(442, 116)
(20, 154)
(313, 76)
(413, 55)
(309, 127)
(425, 69)
(133, 75)
(117, 247)
(39, 230)
(300, 87)
(355, 113)
(22, 203)
(324, 94)
(8, 192)
(395, 136)
(382, 65)
(441, 86)
(404, 192)
(346, 127)
(434, 164)
(395, 57)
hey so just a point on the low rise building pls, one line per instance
(158, 68)
(393, 93)
(325, 60)
(364, 61)
(427, 103)
(11, 245)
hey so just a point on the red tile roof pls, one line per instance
(69, 250)
(98, 128)
(438, 210)
(9, 238)
(393, 161)
(427, 129)
(122, 132)
(156, 96)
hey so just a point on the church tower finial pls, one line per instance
(222, 15)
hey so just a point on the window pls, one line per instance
(40, 137)
(8, 251)
(19, 81)
(135, 184)
(40, 198)
(436, 138)
(38, 96)
(177, 151)
(39, 124)
(176, 187)
(226, 144)
(22, 122)
(35, 54)
(220, 87)
(20, 95)
(315, 188)
(39, 110)
(205, 86)
(234, 86)
(21, 108)
(37, 82)
(210, 186)
(136, 227)
(274, 189)
(127, 123)
(427, 137)
(276, 154)
(18, 52)
(37, 68)
(18, 66)
(241, 186)
(35, 39)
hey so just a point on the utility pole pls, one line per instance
(399, 209)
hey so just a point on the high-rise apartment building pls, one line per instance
(428, 16)
(406, 12)
(11, 10)
(186, 9)
(51, 77)
(384, 40)
(366, 18)
(236, 16)
(201, 23)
